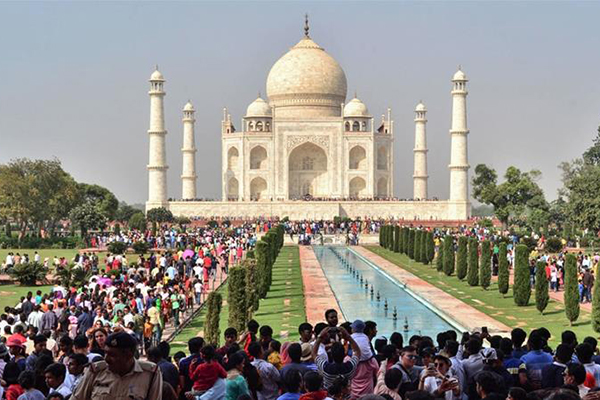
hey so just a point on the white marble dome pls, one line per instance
(307, 76)
(356, 108)
(157, 76)
(420, 107)
(258, 108)
(459, 76)
(188, 106)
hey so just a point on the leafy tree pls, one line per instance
(440, 257)
(485, 267)
(592, 155)
(396, 239)
(417, 245)
(237, 301)
(571, 295)
(449, 256)
(138, 221)
(521, 286)
(473, 262)
(411, 244)
(141, 247)
(29, 274)
(87, 217)
(125, 212)
(103, 198)
(541, 287)
(214, 302)
(159, 215)
(519, 198)
(503, 273)
(581, 185)
(461, 259)
(596, 304)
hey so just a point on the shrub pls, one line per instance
(571, 295)
(485, 267)
(417, 245)
(396, 239)
(138, 221)
(237, 301)
(461, 259)
(159, 215)
(554, 245)
(439, 262)
(424, 236)
(449, 256)
(72, 276)
(541, 287)
(596, 305)
(251, 287)
(29, 274)
(430, 247)
(503, 273)
(405, 238)
(473, 262)
(117, 247)
(411, 244)
(530, 242)
(140, 247)
(521, 286)
(214, 302)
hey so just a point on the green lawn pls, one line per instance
(492, 303)
(11, 294)
(282, 309)
(50, 253)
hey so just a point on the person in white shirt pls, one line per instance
(36, 257)
(55, 379)
(437, 380)
(198, 291)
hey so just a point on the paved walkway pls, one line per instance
(318, 295)
(452, 307)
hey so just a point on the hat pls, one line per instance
(121, 340)
(358, 326)
(15, 342)
(306, 352)
(3, 350)
(489, 354)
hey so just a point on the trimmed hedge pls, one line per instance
(439, 265)
(522, 287)
(212, 333)
(485, 264)
(430, 247)
(473, 262)
(411, 244)
(571, 296)
(449, 256)
(541, 287)
(461, 259)
(237, 299)
(503, 273)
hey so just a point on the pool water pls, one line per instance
(344, 270)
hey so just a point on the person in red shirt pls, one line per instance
(205, 374)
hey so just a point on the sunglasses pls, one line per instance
(411, 356)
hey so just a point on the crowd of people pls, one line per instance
(49, 338)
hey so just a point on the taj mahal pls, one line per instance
(306, 153)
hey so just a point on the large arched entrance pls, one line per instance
(258, 188)
(357, 187)
(307, 166)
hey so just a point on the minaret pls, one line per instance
(188, 176)
(459, 162)
(420, 154)
(157, 165)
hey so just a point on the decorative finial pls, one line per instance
(459, 67)
(306, 28)
(259, 94)
(156, 67)
(355, 96)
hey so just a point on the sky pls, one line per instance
(75, 80)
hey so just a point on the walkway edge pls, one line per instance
(318, 295)
(464, 314)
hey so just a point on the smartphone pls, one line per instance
(484, 330)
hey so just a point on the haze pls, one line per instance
(75, 79)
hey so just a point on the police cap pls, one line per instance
(121, 340)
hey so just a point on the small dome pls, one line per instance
(258, 108)
(157, 76)
(459, 76)
(188, 107)
(421, 107)
(356, 108)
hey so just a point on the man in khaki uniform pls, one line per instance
(120, 376)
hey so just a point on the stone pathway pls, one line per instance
(318, 295)
(452, 307)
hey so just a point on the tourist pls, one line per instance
(337, 366)
(169, 372)
(535, 360)
(585, 352)
(39, 342)
(75, 368)
(269, 375)
(55, 379)
(236, 383)
(437, 381)
(27, 381)
(575, 375)
(292, 383)
(552, 374)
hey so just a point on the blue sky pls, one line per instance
(75, 79)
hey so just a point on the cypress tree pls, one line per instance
(596, 304)
(411, 244)
(390, 238)
(440, 257)
(571, 289)
(402, 243)
(381, 236)
(212, 334)
(522, 286)
(461, 258)
(503, 273)
(541, 287)
(396, 239)
(252, 297)
(236, 299)
(485, 265)
(449, 256)
(417, 245)
(473, 262)
(406, 237)
(430, 247)
(424, 258)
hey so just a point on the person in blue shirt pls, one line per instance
(535, 360)
(292, 380)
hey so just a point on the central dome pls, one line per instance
(307, 81)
